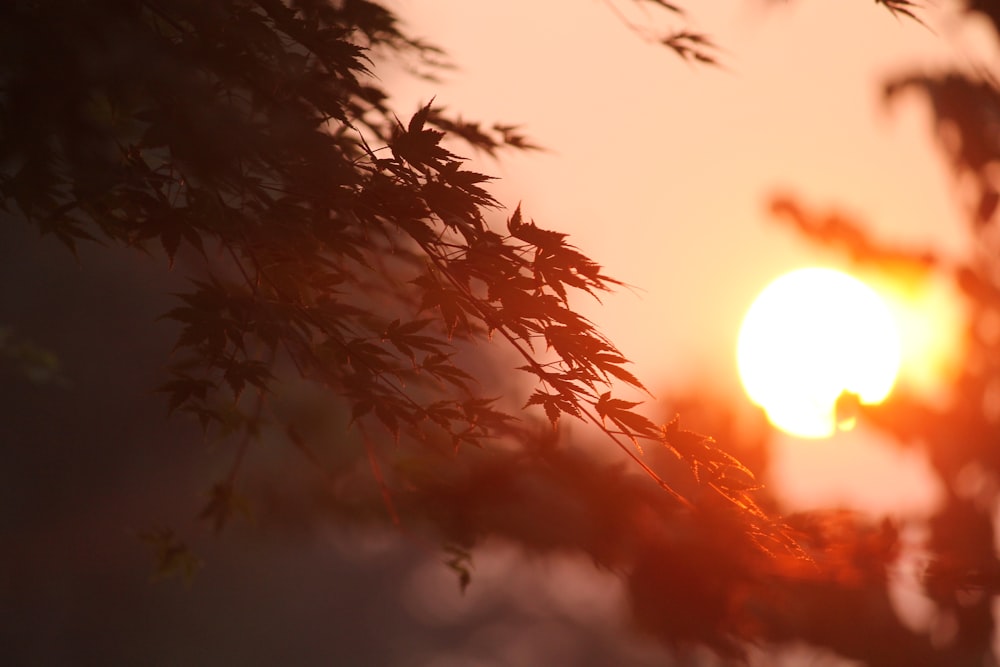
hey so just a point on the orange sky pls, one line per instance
(660, 170)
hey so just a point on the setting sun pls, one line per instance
(811, 337)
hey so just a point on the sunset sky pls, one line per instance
(661, 170)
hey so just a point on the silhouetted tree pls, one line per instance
(336, 250)
(960, 437)
(247, 143)
(324, 234)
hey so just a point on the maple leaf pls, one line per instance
(902, 8)
(184, 388)
(418, 146)
(620, 413)
(531, 233)
(171, 554)
(440, 366)
(554, 405)
(691, 46)
(223, 502)
(406, 338)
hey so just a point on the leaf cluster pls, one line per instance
(689, 45)
(249, 140)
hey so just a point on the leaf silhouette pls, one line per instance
(335, 246)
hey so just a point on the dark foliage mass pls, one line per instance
(322, 233)
(959, 437)
(247, 145)
(340, 257)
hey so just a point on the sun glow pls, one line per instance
(932, 324)
(814, 342)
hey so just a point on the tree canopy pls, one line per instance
(324, 235)
(341, 250)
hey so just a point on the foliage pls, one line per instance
(959, 436)
(247, 144)
(29, 360)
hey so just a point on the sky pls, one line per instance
(661, 169)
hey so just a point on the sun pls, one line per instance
(815, 341)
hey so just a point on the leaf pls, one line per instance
(419, 118)
(624, 375)
(406, 339)
(361, 408)
(533, 234)
(171, 555)
(366, 357)
(691, 46)
(515, 222)
(223, 502)
(686, 443)
(388, 413)
(512, 137)
(480, 139)
(480, 415)
(460, 561)
(620, 413)
(733, 478)
(441, 367)
(902, 7)
(443, 413)
(576, 345)
(418, 146)
(554, 405)
(468, 181)
(185, 388)
(450, 302)
(171, 240)
(240, 372)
